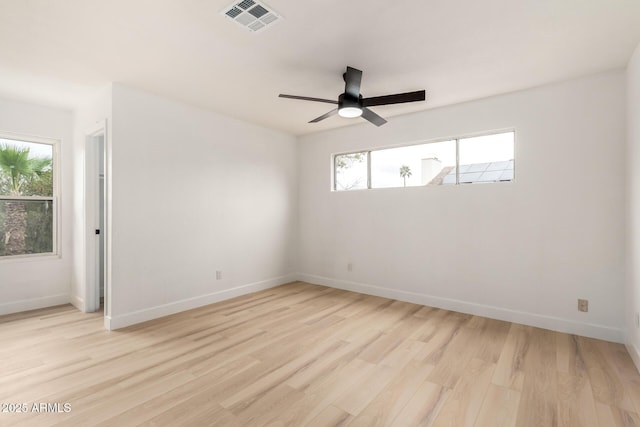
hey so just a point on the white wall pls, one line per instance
(522, 251)
(194, 192)
(93, 114)
(30, 283)
(632, 296)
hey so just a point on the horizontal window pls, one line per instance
(481, 159)
(27, 198)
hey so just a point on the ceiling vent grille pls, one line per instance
(252, 15)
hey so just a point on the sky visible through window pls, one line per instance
(386, 164)
(35, 150)
(424, 161)
(489, 148)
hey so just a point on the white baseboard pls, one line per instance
(77, 302)
(107, 323)
(531, 319)
(634, 352)
(33, 304)
(128, 319)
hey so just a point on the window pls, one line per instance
(469, 160)
(27, 197)
(412, 166)
(351, 171)
(486, 158)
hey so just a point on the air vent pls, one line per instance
(234, 12)
(246, 4)
(268, 18)
(252, 15)
(258, 11)
(255, 26)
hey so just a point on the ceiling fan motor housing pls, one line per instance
(349, 106)
(347, 101)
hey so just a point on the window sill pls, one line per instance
(29, 258)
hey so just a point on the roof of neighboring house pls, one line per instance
(437, 180)
(476, 172)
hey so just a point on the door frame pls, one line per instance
(92, 219)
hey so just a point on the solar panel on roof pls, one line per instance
(482, 172)
(498, 166)
(507, 175)
(478, 167)
(449, 179)
(490, 176)
(466, 178)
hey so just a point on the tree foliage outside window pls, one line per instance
(26, 198)
(351, 171)
(405, 172)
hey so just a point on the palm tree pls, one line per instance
(405, 173)
(18, 170)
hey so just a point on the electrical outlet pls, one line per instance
(218, 275)
(637, 320)
(349, 267)
(583, 305)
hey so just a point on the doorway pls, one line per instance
(96, 292)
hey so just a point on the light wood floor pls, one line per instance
(308, 355)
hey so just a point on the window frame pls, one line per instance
(432, 141)
(334, 158)
(55, 198)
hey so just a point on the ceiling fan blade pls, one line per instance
(352, 80)
(398, 98)
(306, 98)
(373, 117)
(325, 116)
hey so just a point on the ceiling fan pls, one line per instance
(351, 103)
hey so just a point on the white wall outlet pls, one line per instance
(218, 275)
(583, 305)
(350, 267)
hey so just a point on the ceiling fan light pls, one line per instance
(350, 112)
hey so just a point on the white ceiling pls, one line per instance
(58, 52)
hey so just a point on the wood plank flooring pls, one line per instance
(305, 355)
